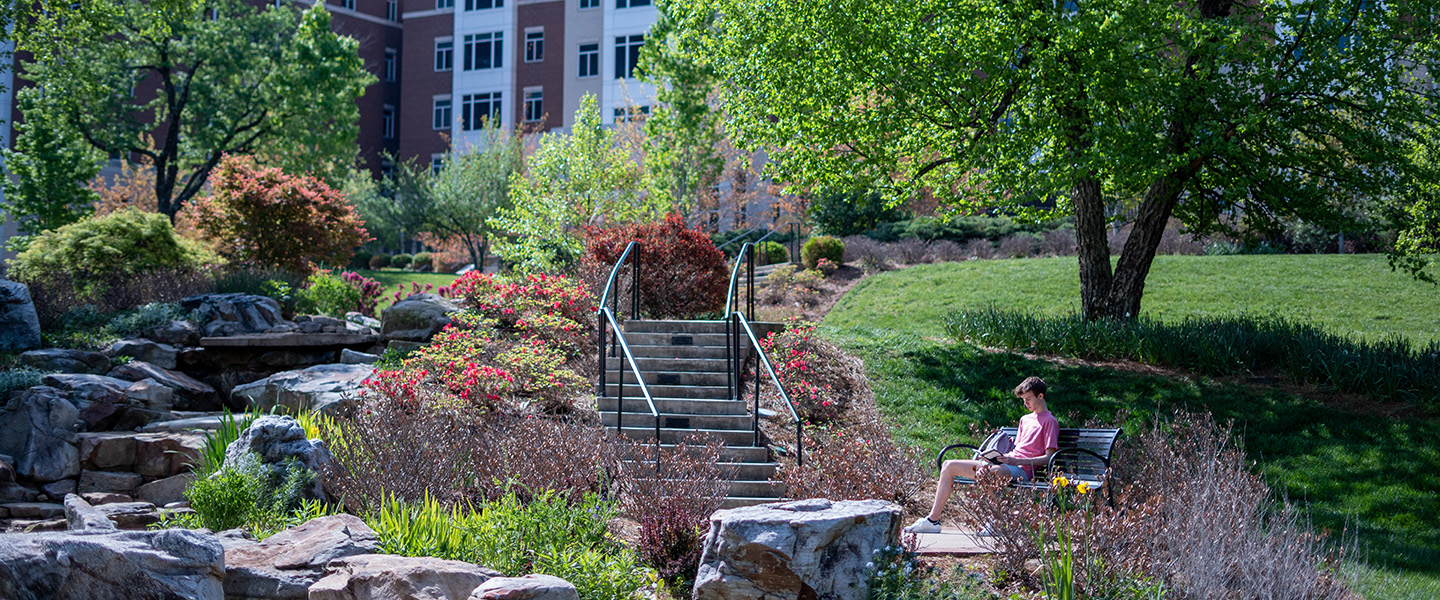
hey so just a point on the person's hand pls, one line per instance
(1003, 460)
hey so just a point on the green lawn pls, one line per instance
(394, 277)
(1378, 476)
(1354, 294)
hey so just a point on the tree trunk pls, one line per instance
(1091, 247)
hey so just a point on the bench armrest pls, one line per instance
(940, 460)
(1050, 467)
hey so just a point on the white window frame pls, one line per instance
(625, 114)
(496, 42)
(472, 5)
(627, 54)
(631, 3)
(437, 163)
(444, 4)
(533, 103)
(436, 121)
(392, 65)
(534, 44)
(593, 60)
(346, 4)
(387, 122)
(469, 102)
(448, 53)
(589, 4)
(392, 10)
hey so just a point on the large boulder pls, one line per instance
(176, 333)
(529, 587)
(37, 428)
(61, 360)
(389, 577)
(190, 393)
(84, 389)
(286, 564)
(164, 454)
(322, 388)
(233, 314)
(155, 353)
(789, 550)
(417, 318)
(19, 325)
(274, 439)
(81, 516)
(170, 564)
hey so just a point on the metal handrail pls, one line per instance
(739, 237)
(620, 383)
(734, 280)
(634, 282)
(737, 323)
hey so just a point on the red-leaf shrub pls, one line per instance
(682, 273)
(262, 216)
(369, 289)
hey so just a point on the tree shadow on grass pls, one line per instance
(1380, 475)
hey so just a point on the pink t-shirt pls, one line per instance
(1038, 433)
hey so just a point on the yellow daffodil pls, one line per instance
(1059, 481)
(1083, 488)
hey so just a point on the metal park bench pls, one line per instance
(1084, 456)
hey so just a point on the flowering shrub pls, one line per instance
(821, 380)
(415, 288)
(261, 215)
(520, 345)
(369, 289)
(826, 266)
(682, 273)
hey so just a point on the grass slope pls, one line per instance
(396, 277)
(1375, 474)
(1350, 294)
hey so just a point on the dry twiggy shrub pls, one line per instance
(672, 502)
(1190, 513)
(1017, 245)
(946, 251)
(857, 462)
(979, 248)
(859, 248)
(1058, 242)
(911, 251)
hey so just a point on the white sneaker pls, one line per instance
(923, 525)
(986, 531)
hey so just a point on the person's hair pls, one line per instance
(1031, 384)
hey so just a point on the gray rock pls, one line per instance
(236, 538)
(165, 491)
(286, 564)
(362, 320)
(84, 389)
(155, 353)
(151, 394)
(14, 492)
(66, 361)
(389, 577)
(322, 388)
(233, 314)
(114, 482)
(803, 549)
(176, 333)
(190, 393)
(19, 325)
(351, 357)
(98, 498)
(160, 455)
(274, 439)
(35, 510)
(59, 489)
(7, 468)
(37, 427)
(417, 318)
(108, 450)
(80, 516)
(130, 515)
(208, 423)
(170, 564)
(529, 587)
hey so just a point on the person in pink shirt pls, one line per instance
(1039, 438)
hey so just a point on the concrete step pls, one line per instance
(729, 454)
(652, 351)
(704, 392)
(691, 406)
(756, 489)
(658, 326)
(741, 502)
(674, 436)
(669, 378)
(736, 422)
(739, 471)
(696, 365)
(647, 338)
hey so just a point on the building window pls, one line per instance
(444, 54)
(387, 168)
(437, 163)
(444, 4)
(631, 3)
(392, 10)
(347, 4)
(631, 113)
(589, 3)
(391, 64)
(589, 60)
(535, 46)
(387, 122)
(627, 54)
(534, 105)
(476, 109)
(484, 51)
(442, 118)
(483, 4)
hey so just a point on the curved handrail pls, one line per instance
(639, 379)
(615, 272)
(735, 276)
(739, 322)
(738, 237)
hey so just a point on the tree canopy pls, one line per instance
(180, 83)
(1228, 115)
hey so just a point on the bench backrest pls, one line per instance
(1099, 441)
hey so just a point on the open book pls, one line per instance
(1003, 445)
(992, 455)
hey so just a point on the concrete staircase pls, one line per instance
(684, 366)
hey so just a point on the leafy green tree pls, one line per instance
(573, 180)
(683, 135)
(181, 83)
(49, 169)
(1419, 215)
(1222, 113)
